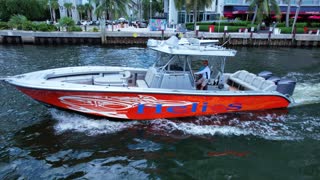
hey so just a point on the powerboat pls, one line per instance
(167, 89)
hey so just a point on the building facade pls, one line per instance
(240, 8)
(176, 16)
(236, 9)
(64, 11)
(227, 8)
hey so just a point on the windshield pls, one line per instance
(168, 62)
(172, 63)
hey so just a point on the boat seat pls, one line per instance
(141, 83)
(257, 82)
(120, 79)
(239, 76)
(268, 86)
(248, 81)
(152, 78)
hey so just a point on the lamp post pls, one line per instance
(150, 16)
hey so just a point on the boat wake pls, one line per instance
(306, 93)
(78, 123)
(307, 89)
(271, 125)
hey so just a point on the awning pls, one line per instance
(314, 10)
(314, 17)
(298, 17)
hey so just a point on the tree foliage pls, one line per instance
(264, 8)
(156, 6)
(68, 6)
(16, 21)
(88, 8)
(54, 5)
(31, 9)
(81, 10)
(66, 22)
(194, 5)
(113, 9)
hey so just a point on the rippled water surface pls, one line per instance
(41, 143)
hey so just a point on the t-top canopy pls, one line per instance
(190, 46)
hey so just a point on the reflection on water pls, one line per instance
(41, 143)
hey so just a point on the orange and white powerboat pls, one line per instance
(165, 90)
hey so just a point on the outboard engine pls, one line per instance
(274, 79)
(265, 74)
(286, 86)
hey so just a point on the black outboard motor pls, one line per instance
(286, 86)
(274, 79)
(265, 74)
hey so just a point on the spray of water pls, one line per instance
(307, 88)
(75, 122)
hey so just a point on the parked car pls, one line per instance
(140, 24)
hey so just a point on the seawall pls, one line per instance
(140, 38)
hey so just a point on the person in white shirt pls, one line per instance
(205, 72)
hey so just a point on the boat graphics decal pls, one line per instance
(152, 106)
(117, 106)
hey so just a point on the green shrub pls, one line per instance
(217, 28)
(74, 29)
(67, 22)
(29, 26)
(314, 24)
(301, 25)
(16, 21)
(240, 23)
(46, 27)
(287, 30)
(3, 25)
(224, 23)
(95, 29)
(202, 23)
(283, 24)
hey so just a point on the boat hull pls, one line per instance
(146, 105)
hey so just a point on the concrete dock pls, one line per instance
(133, 36)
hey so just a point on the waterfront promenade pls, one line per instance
(139, 36)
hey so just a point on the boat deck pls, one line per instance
(238, 81)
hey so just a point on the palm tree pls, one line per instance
(254, 14)
(88, 8)
(81, 9)
(263, 9)
(195, 6)
(114, 9)
(68, 6)
(288, 13)
(155, 5)
(296, 15)
(54, 6)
